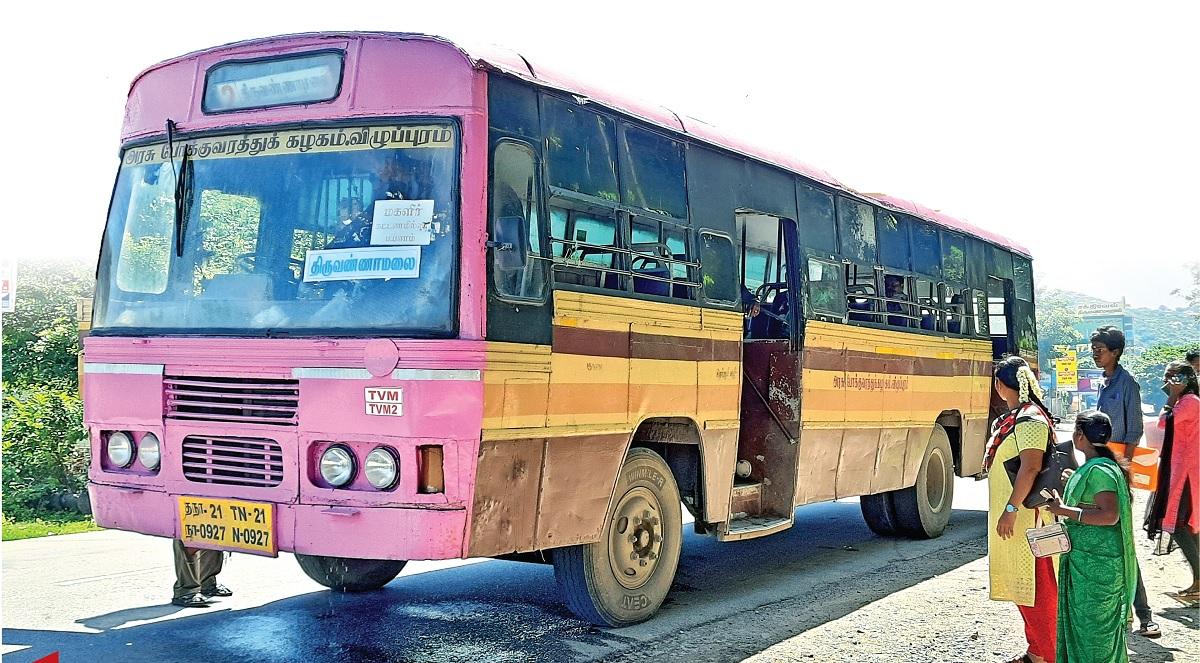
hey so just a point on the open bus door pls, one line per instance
(765, 481)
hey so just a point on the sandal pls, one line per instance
(1023, 658)
(1149, 630)
(1185, 595)
(196, 600)
(216, 590)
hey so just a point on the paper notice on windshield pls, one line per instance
(393, 262)
(402, 223)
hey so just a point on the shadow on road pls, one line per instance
(825, 567)
(121, 617)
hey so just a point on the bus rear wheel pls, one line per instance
(623, 578)
(879, 513)
(923, 510)
(347, 574)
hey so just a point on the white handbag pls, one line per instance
(1048, 540)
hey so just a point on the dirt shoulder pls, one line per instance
(950, 618)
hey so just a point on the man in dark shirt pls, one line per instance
(1121, 399)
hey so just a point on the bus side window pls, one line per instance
(585, 250)
(979, 312)
(927, 305)
(826, 292)
(719, 267)
(856, 226)
(862, 298)
(516, 228)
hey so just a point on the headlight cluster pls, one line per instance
(339, 466)
(121, 450)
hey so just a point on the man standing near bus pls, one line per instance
(196, 572)
(1121, 399)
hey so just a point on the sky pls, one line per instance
(1069, 127)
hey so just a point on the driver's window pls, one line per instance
(516, 226)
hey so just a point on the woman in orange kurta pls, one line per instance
(1015, 575)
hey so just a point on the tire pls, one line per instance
(923, 510)
(879, 513)
(347, 574)
(623, 578)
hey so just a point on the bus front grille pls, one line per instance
(235, 400)
(232, 461)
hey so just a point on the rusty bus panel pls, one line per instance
(508, 480)
(577, 484)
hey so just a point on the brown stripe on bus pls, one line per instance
(635, 345)
(830, 359)
(594, 342)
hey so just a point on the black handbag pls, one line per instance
(1049, 477)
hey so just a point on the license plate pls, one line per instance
(228, 524)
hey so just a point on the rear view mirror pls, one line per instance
(509, 247)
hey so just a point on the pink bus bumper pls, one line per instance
(313, 529)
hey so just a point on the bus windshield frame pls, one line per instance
(370, 209)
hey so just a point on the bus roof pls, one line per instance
(516, 65)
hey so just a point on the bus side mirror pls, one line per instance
(508, 249)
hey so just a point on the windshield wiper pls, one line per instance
(183, 188)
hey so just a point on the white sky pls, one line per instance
(1071, 127)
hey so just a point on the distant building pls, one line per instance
(1102, 314)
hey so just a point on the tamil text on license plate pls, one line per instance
(228, 524)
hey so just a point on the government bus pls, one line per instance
(374, 297)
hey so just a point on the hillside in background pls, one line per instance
(1152, 326)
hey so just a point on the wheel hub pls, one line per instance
(635, 538)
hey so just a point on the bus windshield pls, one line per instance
(311, 231)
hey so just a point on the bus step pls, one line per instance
(746, 499)
(752, 527)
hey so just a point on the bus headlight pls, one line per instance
(382, 468)
(120, 449)
(148, 451)
(337, 466)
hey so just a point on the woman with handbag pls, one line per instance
(1021, 435)
(1175, 507)
(1098, 575)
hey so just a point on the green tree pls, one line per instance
(44, 437)
(40, 339)
(1148, 366)
(1056, 324)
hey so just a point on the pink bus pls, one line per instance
(372, 298)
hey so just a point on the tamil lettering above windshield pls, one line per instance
(304, 230)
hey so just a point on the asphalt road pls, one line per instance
(104, 596)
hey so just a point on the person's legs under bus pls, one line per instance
(187, 578)
(208, 565)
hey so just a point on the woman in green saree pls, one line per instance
(1097, 577)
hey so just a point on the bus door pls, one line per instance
(765, 481)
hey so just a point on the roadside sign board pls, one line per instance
(1067, 371)
(8, 286)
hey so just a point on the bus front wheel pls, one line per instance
(347, 574)
(923, 510)
(623, 578)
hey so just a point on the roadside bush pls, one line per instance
(44, 446)
(43, 414)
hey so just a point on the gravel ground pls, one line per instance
(950, 618)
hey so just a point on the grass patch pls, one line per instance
(48, 524)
